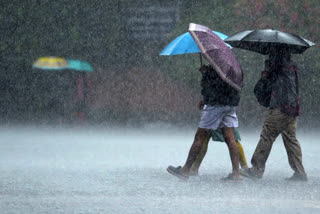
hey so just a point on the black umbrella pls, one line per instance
(261, 41)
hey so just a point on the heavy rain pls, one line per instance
(92, 113)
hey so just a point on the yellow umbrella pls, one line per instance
(51, 63)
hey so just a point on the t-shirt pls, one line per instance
(217, 92)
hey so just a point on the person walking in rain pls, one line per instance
(216, 135)
(284, 109)
(219, 111)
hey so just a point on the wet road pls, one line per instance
(47, 170)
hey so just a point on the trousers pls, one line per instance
(277, 123)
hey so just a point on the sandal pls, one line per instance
(176, 172)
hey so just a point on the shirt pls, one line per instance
(217, 92)
(285, 89)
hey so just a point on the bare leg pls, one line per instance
(195, 149)
(196, 165)
(228, 134)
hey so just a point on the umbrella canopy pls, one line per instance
(262, 41)
(184, 44)
(79, 65)
(50, 63)
(218, 54)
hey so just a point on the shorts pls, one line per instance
(217, 135)
(214, 117)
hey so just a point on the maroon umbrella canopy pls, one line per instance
(218, 54)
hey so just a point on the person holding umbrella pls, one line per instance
(185, 44)
(216, 135)
(219, 111)
(284, 109)
(223, 79)
(284, 103)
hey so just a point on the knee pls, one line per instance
(202, 136)
(269, 133)
(229, 138)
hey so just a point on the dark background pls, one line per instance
(131, 83)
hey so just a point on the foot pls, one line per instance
(245, 167)
(193, 172)
(232, 177)
(297, 177)
(249, 173)
(176, 171)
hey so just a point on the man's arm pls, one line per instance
(200, 104)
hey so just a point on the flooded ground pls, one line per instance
(49, 170)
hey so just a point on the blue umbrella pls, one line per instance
(185, 44)
(78, 65)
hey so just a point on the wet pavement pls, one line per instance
(50, 170)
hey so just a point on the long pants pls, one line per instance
(277, 123)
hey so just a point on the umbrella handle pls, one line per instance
(200, 59)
